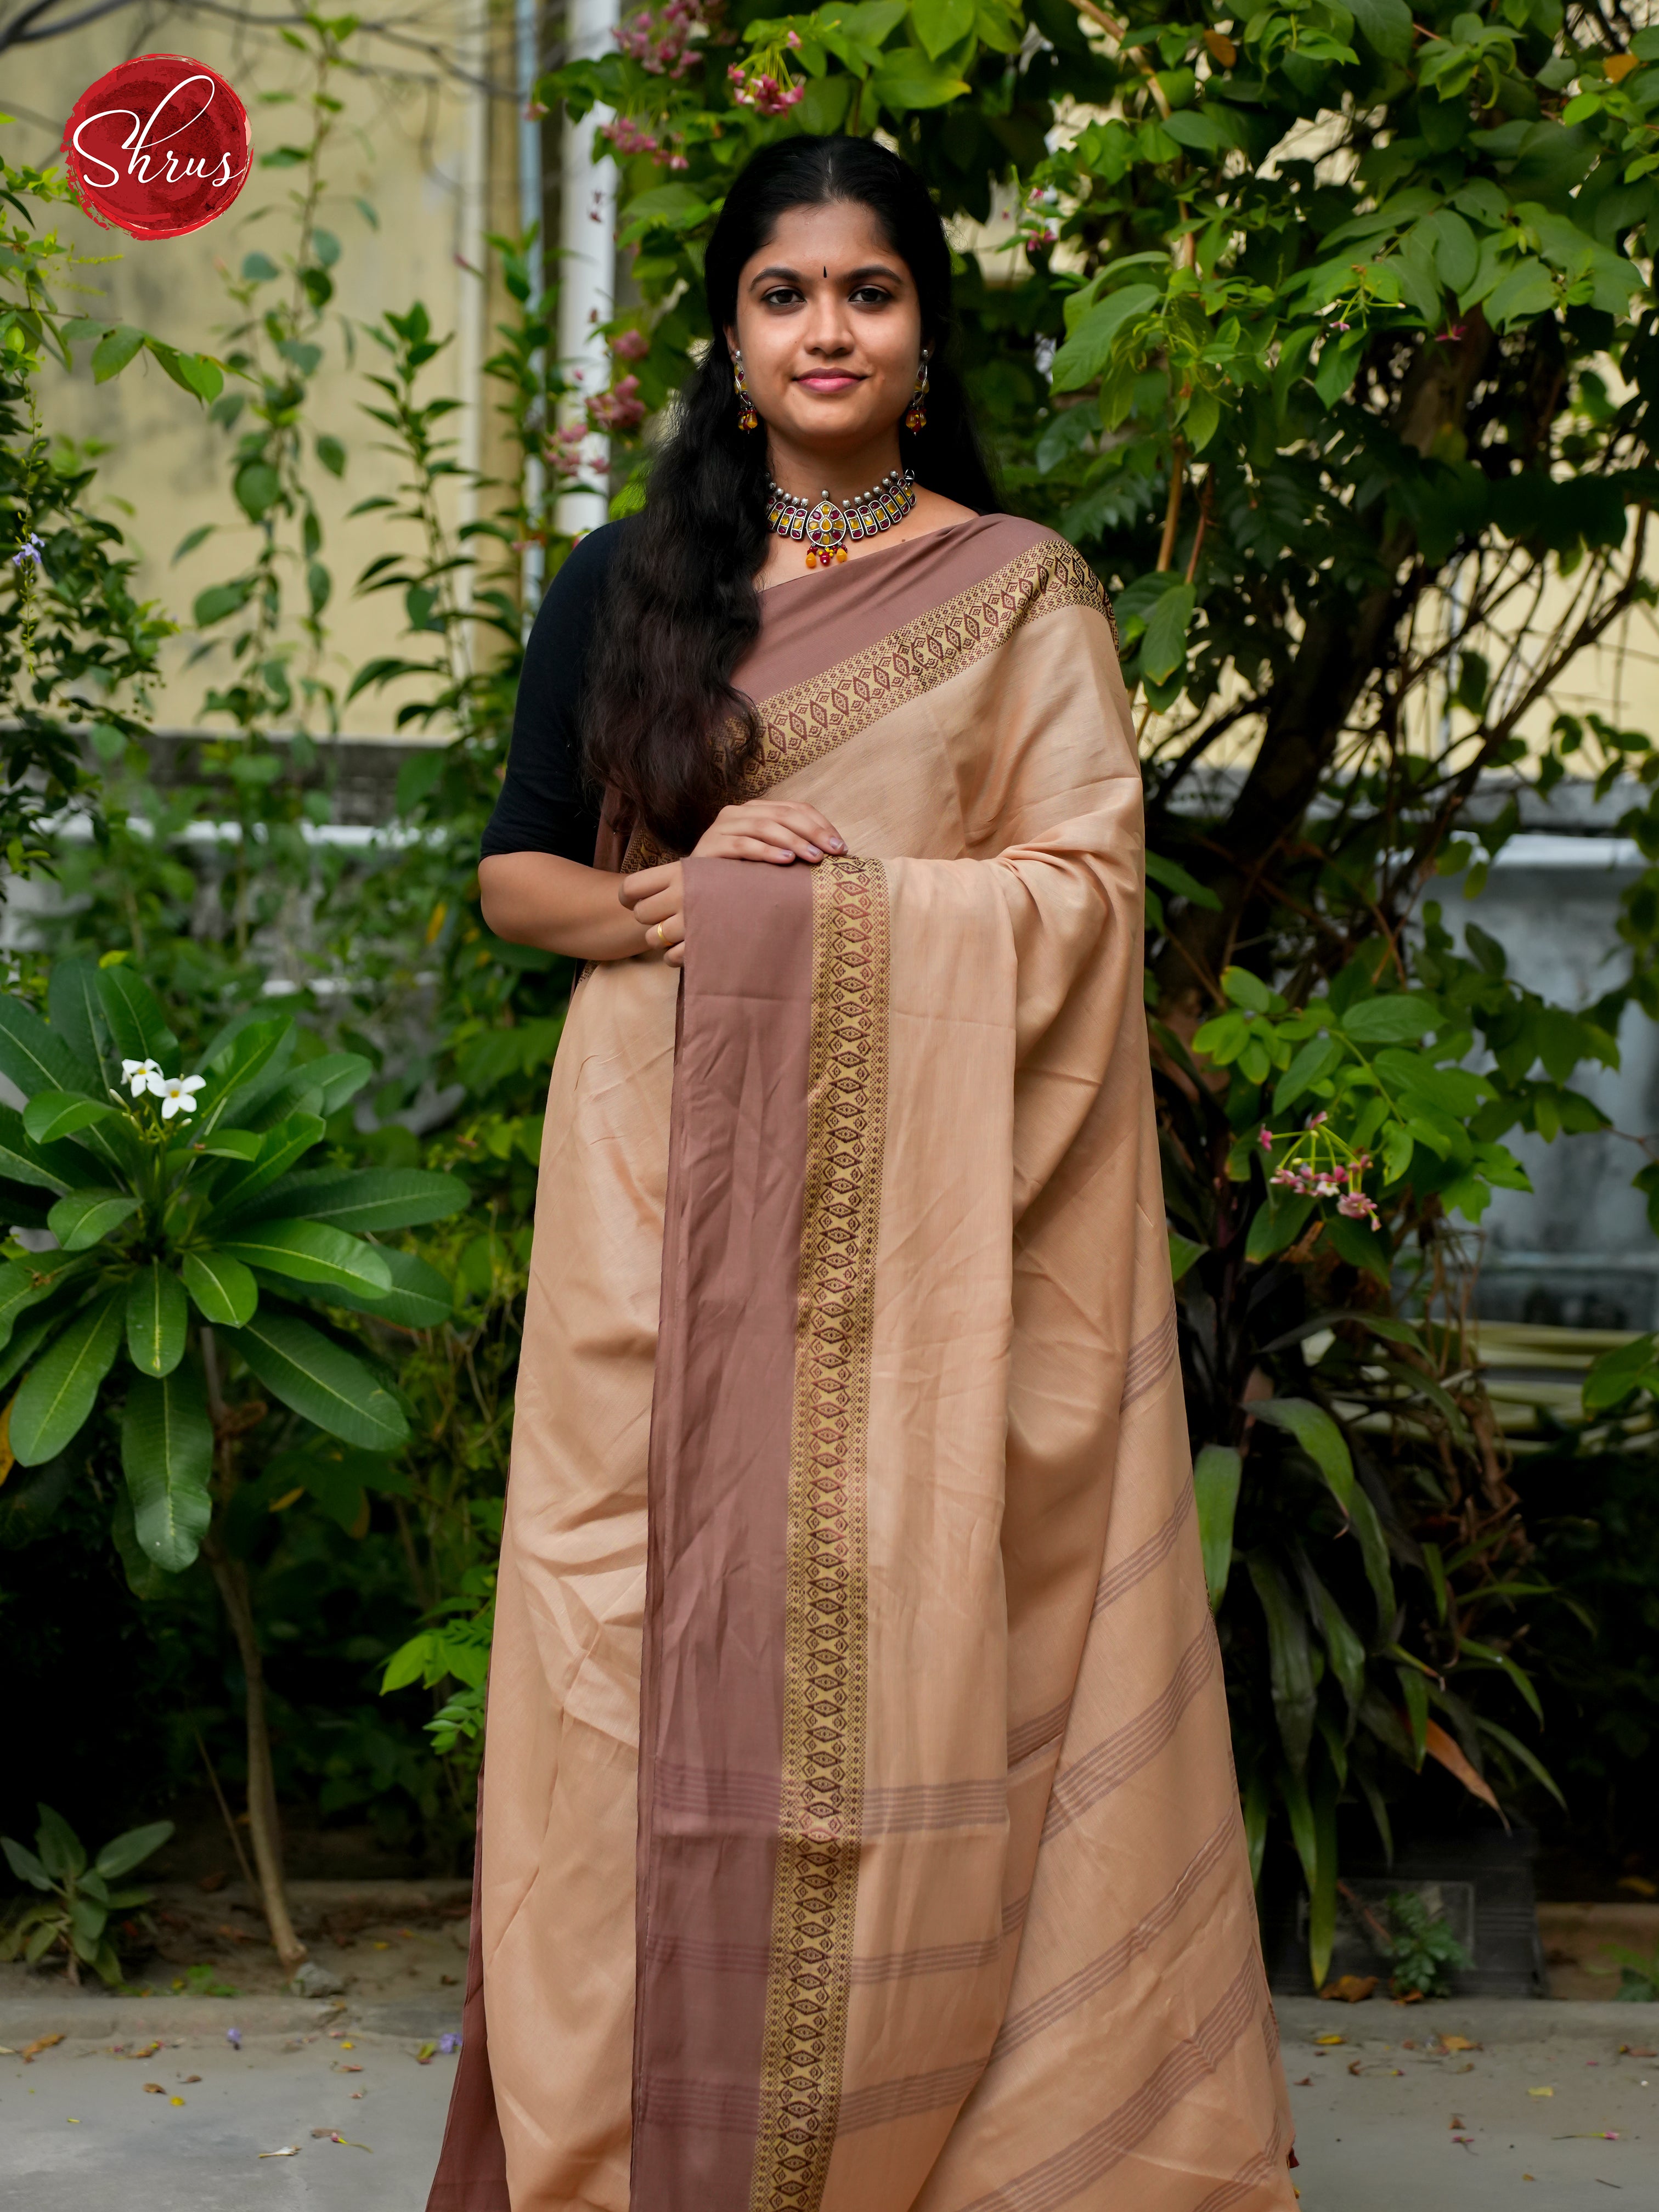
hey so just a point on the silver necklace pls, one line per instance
(828, 525)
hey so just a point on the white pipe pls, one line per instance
(526, 18)
(587, 265)
(472, 290)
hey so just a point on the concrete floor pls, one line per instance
(80, 2133)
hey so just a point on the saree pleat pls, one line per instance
(859, 1827)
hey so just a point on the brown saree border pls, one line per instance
(812, 719)
(826, 1654)
(801, 725)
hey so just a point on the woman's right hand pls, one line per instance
(779, 829)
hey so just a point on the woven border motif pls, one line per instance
(813, 718)
(825, 1654)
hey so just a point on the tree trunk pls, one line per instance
(231, 1576)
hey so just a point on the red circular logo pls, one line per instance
(160, 146)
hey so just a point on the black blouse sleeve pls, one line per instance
(543, 805)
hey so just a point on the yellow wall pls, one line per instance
(412, 142)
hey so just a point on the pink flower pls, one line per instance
(1358, 1206)
(619, 409)
(1265, 1140)
(628, 137)
(630, 345)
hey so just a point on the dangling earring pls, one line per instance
(916, 417)
(747, 418)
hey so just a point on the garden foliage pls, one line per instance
(1328, 335)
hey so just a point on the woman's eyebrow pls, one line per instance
(778, 274)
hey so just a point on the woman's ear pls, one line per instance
(732, 340)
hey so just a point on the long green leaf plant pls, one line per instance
(197, 1236)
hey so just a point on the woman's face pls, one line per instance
(830, 328)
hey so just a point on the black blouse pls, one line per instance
(544, 805)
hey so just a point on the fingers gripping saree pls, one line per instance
(858, 1824)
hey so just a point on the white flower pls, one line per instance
(174, 1092)
(140, 1074)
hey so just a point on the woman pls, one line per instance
(859, 1827)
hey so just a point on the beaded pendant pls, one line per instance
(828, 525)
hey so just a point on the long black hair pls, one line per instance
(663, 727)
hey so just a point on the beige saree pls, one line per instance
(858, 1824)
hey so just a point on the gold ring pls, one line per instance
(656, 931)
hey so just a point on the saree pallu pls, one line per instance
(859, 1830)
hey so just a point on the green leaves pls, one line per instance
(1164, 647)
(370, 1198)
(1319, 1436)
(419, 1296)
(87, 1217)
(331, 1386)
(166, 1456)
(904, 84)
(36, 1058)
(138, 1027)
(1399, 1019)
(124, 1852)
(1098, 334)
(1290, 1671)
(157, 1314)
(52, 1113)
(1615, 1375)
(941, 24)
(117, 346)
(61, 1388)
(1217, 1473)
(290, 1141)
(1386, 26)
(223, 1290)
(310, 1252)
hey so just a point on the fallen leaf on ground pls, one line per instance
(188, 2078)
(154, 2089)
(289, 2150)
(321, 2135)
(31, 2051)
(1349, 1989)
(1306, 2083)
(1593, 2134)
(1541, 2093)
(1354, 2065)
(1327, 2040)
(175, 2100)
(425, 2055)
(1636, 2050)
(1456, 2120)
(1457, 2043)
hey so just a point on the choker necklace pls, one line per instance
(829, 524)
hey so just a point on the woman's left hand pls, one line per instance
(656, 898)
